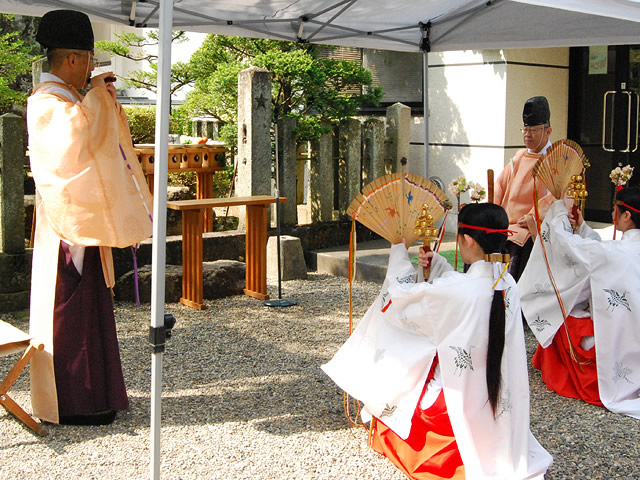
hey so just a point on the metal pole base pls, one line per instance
(279, 302)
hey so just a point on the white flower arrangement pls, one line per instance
(621, 175)
(457, 186)
(476, 191)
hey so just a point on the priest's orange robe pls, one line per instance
(93, 193)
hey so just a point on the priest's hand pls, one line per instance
(100, 82)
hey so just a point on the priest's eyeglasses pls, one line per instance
(536, 129)
(91, 60)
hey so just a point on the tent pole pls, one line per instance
(157, 331)
(425, 108)
(425, 46)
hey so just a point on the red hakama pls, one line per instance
(560, 372)
(430, 451)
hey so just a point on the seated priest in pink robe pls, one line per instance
(514, 188)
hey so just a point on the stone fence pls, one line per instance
(319, 186)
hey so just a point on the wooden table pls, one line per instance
(255, 249)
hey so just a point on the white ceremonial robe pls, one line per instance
(607, 275)
(386, 361)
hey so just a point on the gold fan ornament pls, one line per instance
(561, 166)
(561, 170)
(619, 176)
(392, 204)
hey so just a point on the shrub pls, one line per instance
(184, 179)
(221, 182)
(142, 123)
(181, 121)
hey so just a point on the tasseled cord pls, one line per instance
(356, 420)
(134, 251)
(572, 351)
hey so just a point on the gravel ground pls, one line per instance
(244, 398)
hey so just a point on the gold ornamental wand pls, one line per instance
(578, 191)
(424, 227)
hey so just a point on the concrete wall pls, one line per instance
(545, 72)
(475, 108)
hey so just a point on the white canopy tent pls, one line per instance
(403, 25)
(392, 25)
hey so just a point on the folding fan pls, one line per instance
(564, 160)
(390, 205)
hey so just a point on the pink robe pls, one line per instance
(513, 190)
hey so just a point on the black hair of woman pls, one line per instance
(631, 197)
(491, 216)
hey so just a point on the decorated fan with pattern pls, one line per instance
(563, 160)
(390, 205)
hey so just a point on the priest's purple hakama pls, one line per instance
(88, 371)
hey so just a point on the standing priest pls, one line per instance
(93, 197)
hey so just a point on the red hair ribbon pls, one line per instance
(628, 206)
(503, 231)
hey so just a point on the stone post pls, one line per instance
(398, 133)
(350, 161)
(321, 179)
(11, 184)
(287, 170)
(254, 135)
(15, 261)
(373, 161)
(37, 67)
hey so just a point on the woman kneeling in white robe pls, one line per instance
(592, 354)
(442, 364)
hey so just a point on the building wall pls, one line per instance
(475, 107)
(536, 72)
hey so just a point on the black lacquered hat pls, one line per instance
(536, 111)
(65, 29)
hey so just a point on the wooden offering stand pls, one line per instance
(198, 158)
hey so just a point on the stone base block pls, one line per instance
(221, 278)
(15, 287)
(13, 302)
(291, 258)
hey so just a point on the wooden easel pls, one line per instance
(12, 341)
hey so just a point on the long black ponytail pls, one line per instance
(489, 215)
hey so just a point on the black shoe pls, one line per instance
(101, 418)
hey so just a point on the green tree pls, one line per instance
(135, 47)
(305, 86)
(16, 56)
